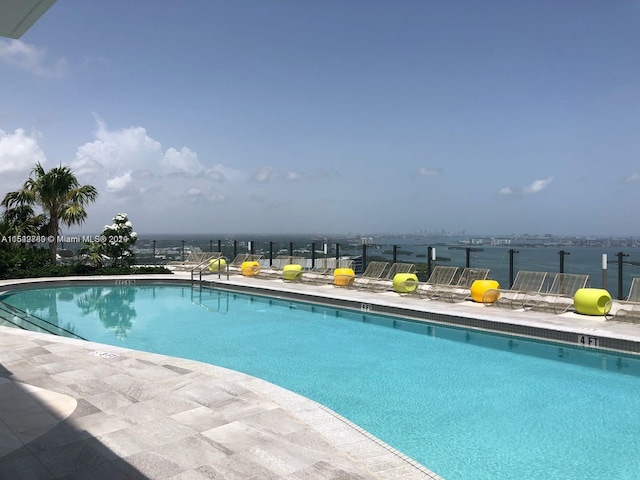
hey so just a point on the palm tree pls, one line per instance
(94, 252)
(22, 221)
(61, 197)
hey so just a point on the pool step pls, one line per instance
(13, 316)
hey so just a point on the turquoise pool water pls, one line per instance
(466, 405)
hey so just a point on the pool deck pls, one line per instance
(76, 409)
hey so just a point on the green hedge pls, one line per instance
(34, 262)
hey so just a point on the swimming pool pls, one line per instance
(436, 393)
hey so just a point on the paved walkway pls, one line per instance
(75, 409)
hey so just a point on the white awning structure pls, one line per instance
(17, 16)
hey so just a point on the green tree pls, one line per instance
(60, 196)
(94, 253)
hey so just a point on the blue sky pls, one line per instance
(334, 116)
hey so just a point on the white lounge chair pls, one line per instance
(441, 276)
(462, 289)
(385, 282)
(559, 298)
(627, 310)
(526, 283)
(322, 271)
(372, 273)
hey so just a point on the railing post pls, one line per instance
(337, 254)
(313, 254)
(604, 271)
(364, 257)
(620, 256)
(235, 248)
(562, 253)
(430, 253)
(468, 254)
(511, 252)
(270, 254)
(153, 251)
(291, 249)
(182, 253)
(220, 246)
(395, 253)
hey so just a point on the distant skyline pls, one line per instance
(327, 117)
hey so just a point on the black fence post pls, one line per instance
(291, 249)
(620, 256)
(511, 252)
(430, 251)
(235, 248)
(468, 251)
(220, 246)
(313, 254)
(337, 253)
(395, 253)
(270, 253)
(364, 257)
(562, 253)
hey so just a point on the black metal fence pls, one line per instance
(607, 267)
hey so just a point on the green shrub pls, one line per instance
(34, 262)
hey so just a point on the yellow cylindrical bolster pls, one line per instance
(217, 264)
(480, 287)
(343, 276)
(405, 282)
(591, 301)
(291, 272)
(250, 269)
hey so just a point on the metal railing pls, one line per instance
(16, 317)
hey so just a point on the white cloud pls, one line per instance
(264, 175)
(428, 172)
(534, 187)
(195, 194)
(119, 183)
(217, 198)
(633, 177)
(117, 151)
(537, 185)
(184, 161)
(19, 152)
(267, 174)
(220, 173)
(31, 58)
(215, 175)
(132, 169)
